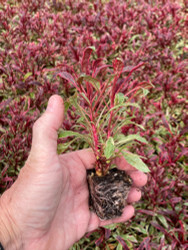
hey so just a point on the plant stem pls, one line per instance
(95, 138)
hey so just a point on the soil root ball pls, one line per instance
(108, 193)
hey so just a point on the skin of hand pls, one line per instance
(47, 206)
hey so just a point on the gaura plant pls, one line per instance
(101, 108)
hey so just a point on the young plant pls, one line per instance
(102, 111)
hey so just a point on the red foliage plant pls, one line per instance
(41, 39)
(102, 110)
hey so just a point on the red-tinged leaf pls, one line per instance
(182, 232)
(75, 53)
(168, 213)
(184, 152)
(107, 233)
(122, 242)
(85, 58)
(93, 81)
(128, 69)
(132, 68)
(97, 63)
(144, 245)
(174, 244)
(100, 240)
(4, 103)
(172, 183)
(175, 200)
(34, 83)
(6, 179)
(99, 69)
(184, 130)
(118, 66)
(3, 172)
(128, 77)
(67, 76)
(160, 228)
(165, 122)
(87, 235)
(16, 68)
(3, 70)
(144, 211)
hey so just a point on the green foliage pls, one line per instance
(109, 148)
(102, 112)
(135, 161)
(95, 83)
(122, 139)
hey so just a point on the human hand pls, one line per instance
(47, 206)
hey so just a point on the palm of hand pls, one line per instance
(56, 212)
(73, 215)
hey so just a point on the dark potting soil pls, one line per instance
(108, 193)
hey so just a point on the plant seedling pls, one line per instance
(102, 112)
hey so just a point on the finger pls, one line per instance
(138, 177)
(127, 214)
(134, 195)
(87, 157)
(123, 164)
(44, 141)
(95, 222)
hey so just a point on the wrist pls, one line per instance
(9, 236)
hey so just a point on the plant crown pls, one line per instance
(101, 108)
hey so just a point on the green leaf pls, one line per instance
(119, 98)
(134, 37)
(162, 220)
(135, 161)
(66, 133)
(145, 91)
(129, 237)
(83, 113)
(109, 148)
(27, 75)
(111, 226)
(125, 139)
(92, 47)
(61, 147)
(119, 247)
(32, 95)
(68, 77)
(85, 98)
(66, 106)
(124, 106)
(140, 229)
(95, 83)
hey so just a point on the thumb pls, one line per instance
(44, 140)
